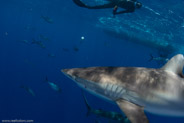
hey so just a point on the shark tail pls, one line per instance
(151, 58)
(87, 105)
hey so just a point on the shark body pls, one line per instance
(135, 89)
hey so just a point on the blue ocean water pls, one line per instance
(57, 27)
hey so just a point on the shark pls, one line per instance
(114, 116)
(136, 90)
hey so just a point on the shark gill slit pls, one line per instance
(109, 89)
(111, 92)
(106, 88)
(121, 92)
(116, 92)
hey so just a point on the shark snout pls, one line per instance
(67, 72)
(74, 75)
(70, 73)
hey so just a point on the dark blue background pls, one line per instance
(28, 64)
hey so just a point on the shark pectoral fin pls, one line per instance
(134, 112)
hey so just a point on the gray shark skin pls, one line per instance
(135, 89)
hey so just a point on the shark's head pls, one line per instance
(82, 76)
(97, 80)
(69, 73)
(95, 75)
(86, 78)
(75, 75)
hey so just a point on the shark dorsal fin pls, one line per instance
(175, 64)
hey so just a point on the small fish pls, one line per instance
(24, 41)
(44, 37)
(51, 55)
(53, 85)
(39, 43)
(76, 49)
(29, 90)
(159, 59)
(47, 19)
